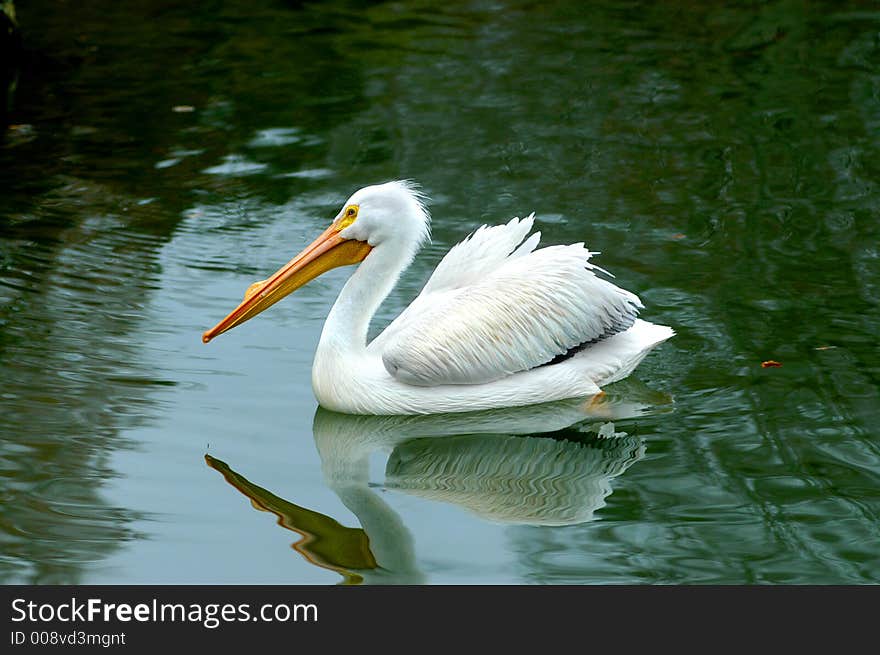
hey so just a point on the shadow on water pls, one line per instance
(539, 466)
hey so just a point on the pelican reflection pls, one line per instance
(544, 465)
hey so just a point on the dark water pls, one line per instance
(724, 157)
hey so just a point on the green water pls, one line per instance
(723, 157)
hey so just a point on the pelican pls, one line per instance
(500, 323)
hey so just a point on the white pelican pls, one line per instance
(500, 323)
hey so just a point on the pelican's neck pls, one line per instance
(345, 330)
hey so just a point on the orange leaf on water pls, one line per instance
(770, 363)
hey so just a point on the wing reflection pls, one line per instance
(539, 465)
(518, 480)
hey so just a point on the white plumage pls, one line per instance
(500, 322)
(524, 308)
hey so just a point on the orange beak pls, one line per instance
(327, 251)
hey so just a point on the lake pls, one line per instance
(724, 159)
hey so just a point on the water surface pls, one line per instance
(723, 158)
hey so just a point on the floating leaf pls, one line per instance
(770, 363)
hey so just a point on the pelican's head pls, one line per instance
(390, 213)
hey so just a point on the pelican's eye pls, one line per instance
(348, 217)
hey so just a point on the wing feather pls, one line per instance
(524, 311)
(481, 253)
(467, 262)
